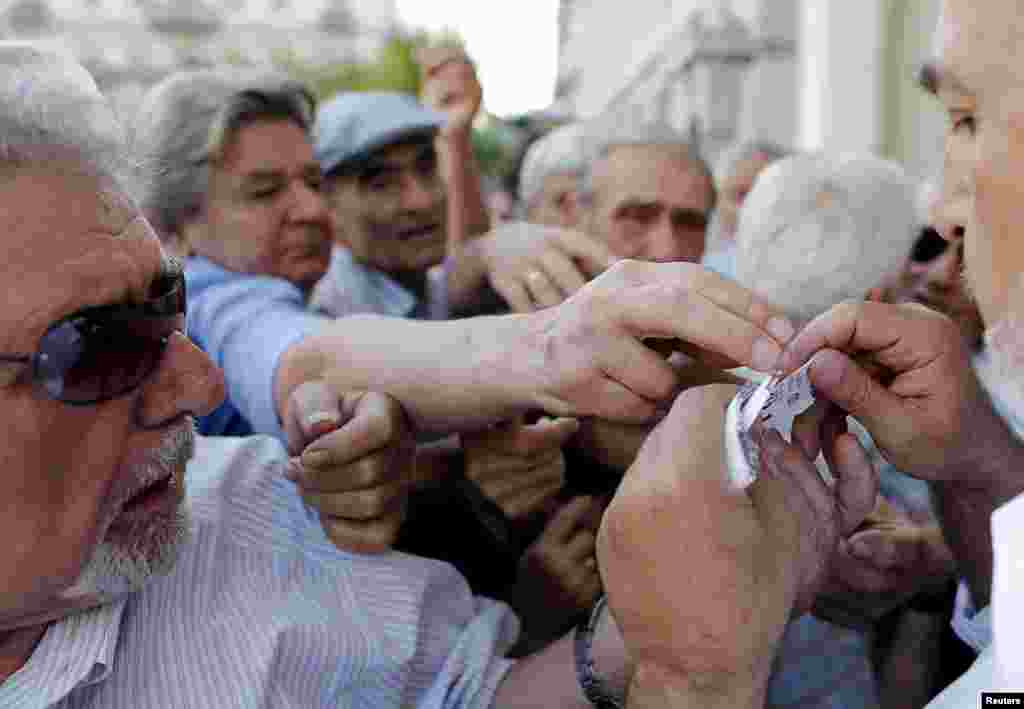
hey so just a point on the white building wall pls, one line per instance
(841, 56)
(772, 90)
(849, 87)
(614, 46)
(915, 124)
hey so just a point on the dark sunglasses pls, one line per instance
(105, 352)
(928, 247)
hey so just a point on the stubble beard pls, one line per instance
(143, 550)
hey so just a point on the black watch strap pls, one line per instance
(594, 688)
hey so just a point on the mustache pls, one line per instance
(175, 449)
(406, 220)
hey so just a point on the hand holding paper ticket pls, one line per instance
(763, 553)
(776, 402)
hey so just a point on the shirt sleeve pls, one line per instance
(246, 325)
(972, 626)
(476, 665)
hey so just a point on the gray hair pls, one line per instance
(562, 151)
(606, 133)
(819, 229)
(190, 118)
(740, 152)
(51, 109)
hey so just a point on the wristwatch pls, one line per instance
(595, 689)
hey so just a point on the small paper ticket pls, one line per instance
(775, 403)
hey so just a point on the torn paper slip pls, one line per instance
(775, 403)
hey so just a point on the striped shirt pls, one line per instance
(351, 288)
(262, 610)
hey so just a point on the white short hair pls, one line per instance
(739, 153)
(819, 229)
(614, 130)
(191, 116)
(51, 108)
(560, 152)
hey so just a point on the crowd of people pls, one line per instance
(297, 417)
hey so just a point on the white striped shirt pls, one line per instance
(263, 611)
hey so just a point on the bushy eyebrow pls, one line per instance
(379, 165)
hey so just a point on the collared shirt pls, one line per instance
(261, 610)
(971, 625)
(351, 288)
(997, 631)
(1004, 398)
(722, 260)
(245, 323)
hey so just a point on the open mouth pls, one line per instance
(149, 495)
(428, 230)
(151, 502)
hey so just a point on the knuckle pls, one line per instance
(692, 276)
(381, 500)
(629, 271)
(389, 424)
(367, 472)
(848, 311)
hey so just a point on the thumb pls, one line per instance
(568, 518)
(845, 383)
(550, 433)
(313, 410)
(885, 549)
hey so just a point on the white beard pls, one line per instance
(115, 570)
(151, 547)
(1003, 369)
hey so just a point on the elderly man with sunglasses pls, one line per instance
(146, 567)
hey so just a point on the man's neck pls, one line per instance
(16, 646)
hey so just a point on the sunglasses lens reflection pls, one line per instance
(82, 361)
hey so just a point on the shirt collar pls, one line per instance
(365, 289)
(75, 651)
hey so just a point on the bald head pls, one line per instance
(819, 229)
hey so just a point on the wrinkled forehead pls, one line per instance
(632, 165)
(57, 193)
(67, 230)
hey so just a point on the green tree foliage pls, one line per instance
(393, 69)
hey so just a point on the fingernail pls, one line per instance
(765, 356)
(781, 329)
(860, 549)
(315, 458)
(321, 417)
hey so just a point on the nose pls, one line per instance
(186, 382)
(670, 242)
(309, 206)
(660, 244)
(419, 194)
